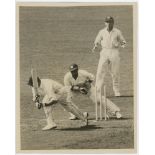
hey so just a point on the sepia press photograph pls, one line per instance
(76, 77)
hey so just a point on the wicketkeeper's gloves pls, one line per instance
(83, 88)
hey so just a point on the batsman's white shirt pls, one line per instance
(108, 39)
(49, 88)
(82, 77)
(52, 90)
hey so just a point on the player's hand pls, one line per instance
(83, 90)
(39, 105)
(123, 46)
(37, 97)
(123, 43)
(94, 48)
(51, 101)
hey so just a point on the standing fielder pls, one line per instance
(53, 92)
(110, 39)
(80, 81)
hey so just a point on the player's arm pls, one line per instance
(75, 87)
(97, 41)
(39, 105)
(51, 93)
(49, 99)
(121, 39)
(67, 82)
(86, 85)
(89, 76)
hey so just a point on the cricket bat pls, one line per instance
(34, 79)
(35, 86)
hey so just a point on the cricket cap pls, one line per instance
(109, 19)
(73, 67)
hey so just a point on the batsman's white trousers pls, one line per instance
(109, 61)
(48, 111)
(67, 104)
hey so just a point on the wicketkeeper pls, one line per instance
(53, 93)
(80, 82)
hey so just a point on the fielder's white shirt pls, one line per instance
(108, 39)
(82, 77)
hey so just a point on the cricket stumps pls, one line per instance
(102, 103)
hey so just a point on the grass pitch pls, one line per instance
(50, 40)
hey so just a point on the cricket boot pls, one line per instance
(117, 94)
(50, 125)
(72, 117)
(85, 114)
(118, 115)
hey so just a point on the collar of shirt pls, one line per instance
(113, 30)
(81, 78)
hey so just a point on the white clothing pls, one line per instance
(70, 81)
(52, 90)
(109, 57)
(109, 40)
(82, 77)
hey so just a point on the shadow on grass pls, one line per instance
(89, 127)
(112, 118)
(120, 96)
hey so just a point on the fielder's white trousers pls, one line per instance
(111, 107)
(109, 61)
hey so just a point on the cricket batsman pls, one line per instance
(110, 39)
(80, 82)
(53, 93)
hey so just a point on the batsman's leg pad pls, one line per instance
(50, 120)
(47, 110)
(71, 107)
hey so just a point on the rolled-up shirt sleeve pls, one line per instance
(89, 76)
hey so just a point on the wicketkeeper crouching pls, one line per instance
(53, 93)
(81, 82)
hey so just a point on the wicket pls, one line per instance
(104, 103)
